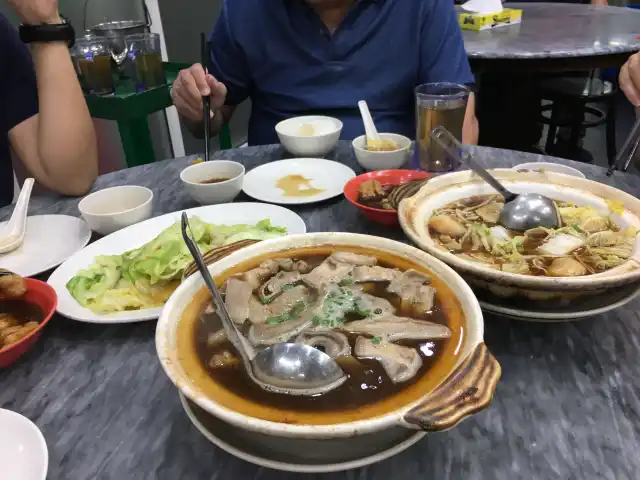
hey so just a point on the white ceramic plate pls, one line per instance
(296, 455)
(23, 450)
(331, 177)
(49, 241)
(577, 309)
(136, 235)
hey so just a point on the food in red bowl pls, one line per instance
(378, 194)
(26, 306)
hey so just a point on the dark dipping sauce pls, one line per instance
(368, 384)
(215, 180)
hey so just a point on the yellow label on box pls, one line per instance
(480, 21)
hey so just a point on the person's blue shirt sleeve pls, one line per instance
(442, 54)
(228, 63)
(18, 88)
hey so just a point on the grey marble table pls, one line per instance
(567, 407)
(556, 30)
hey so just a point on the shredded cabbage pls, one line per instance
(146, 276)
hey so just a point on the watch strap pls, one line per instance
(47, 33)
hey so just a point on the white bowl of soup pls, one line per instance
(596, 247)
(414, 358)
(210, 183)
(388, 153)
(309, 136)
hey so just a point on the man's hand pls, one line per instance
(191, 85)
(630, 79)
(36, 12)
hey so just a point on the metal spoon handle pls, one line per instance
(235, 337)
(452, 146)
(628, 149)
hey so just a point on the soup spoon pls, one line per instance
(12, 235)
(521, 211)
(288, 368)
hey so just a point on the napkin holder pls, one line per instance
(488, 21)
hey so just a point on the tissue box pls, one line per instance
(486, 21)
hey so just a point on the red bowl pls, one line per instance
(385, 177)
(44, 296)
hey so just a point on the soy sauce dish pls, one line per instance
(406, 329)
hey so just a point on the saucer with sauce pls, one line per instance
(297, 181)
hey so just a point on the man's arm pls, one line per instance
(444, 59)
(58, 144)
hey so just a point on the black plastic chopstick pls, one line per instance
(206, 100)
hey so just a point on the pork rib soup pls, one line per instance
(587, 242)
(391, 325)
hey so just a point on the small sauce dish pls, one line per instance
(210, 183)
(23, 450)
(111, 209)
(372, 160)
(549, 167)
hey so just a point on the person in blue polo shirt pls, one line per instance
(301, 57)
(43, 114)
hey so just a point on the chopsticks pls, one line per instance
(206, 100)
(628, 149)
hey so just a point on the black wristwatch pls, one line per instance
(46, 33)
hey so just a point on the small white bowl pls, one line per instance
(213, 193)
(382, 160)
(111, 209)
(310, 136)
(23, 450)
(550, 167)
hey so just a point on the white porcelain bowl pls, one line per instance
(310, 136)
(415, 212)
(544, 167)
(213, 193)
(434, 407)
(111, 209)
(23, 450)
(382, 160)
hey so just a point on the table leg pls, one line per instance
(136, 141)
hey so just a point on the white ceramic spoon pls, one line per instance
(12, 235)
(369, 127)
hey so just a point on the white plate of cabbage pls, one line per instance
(128, 275)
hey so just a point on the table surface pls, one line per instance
(555, 30)
(567, 406)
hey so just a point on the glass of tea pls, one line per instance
(438, 104)
(145, 54)
(92, 61)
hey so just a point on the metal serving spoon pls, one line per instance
(289, 368)
(521, 211)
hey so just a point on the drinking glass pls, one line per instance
(92, 61)
(443, 104)
(145, 54)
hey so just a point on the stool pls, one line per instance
(573, 95)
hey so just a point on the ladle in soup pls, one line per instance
(288, 368)
(521, 211)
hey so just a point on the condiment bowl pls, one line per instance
(461, 383)
(385, 177)
(23, 449)
(373, 160)
(111, 209)
(309, 136)
(44, 296)
(415, 212)
(194, 177)
(545, 167)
